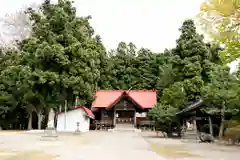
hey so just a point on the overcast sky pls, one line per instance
(147, 23)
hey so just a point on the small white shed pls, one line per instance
(68, 122)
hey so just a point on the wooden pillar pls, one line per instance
(135, 119)
(194, 123)
(194, 120)
(184, 124)
(195, 128)
(101, 119)
(101, 115)
(114, 117)
(210, 125)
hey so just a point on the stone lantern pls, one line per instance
(78, 130)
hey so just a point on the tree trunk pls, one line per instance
(210, 125)
(221, 129)
(40, 116)
(30, 121)
(169, 132)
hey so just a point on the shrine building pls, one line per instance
(118, 107)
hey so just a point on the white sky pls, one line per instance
(151, 24)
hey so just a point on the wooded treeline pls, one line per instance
(62, 59)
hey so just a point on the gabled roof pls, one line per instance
(192, 107)
(86, 110)
(107, 98)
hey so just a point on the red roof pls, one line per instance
(86, 110)
(107, 98)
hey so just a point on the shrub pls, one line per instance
(233, 134)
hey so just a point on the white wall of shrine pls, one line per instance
(69, 124)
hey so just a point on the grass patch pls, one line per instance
(173, 151)
(30, 155)
(83, 141)
(75, 138)
(80, 140)
(4, 154)
(11, 131)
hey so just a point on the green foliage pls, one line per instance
(175, 95)
(127, 68)
(190, 61)
(164, 116)
(222, 91)
(195, 58)
(62, 60)
(63, 52)
(192, 58)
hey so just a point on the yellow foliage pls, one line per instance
(220, 7)
(220, 19)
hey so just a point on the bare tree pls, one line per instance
(16, 26)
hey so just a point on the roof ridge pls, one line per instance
(138, 90)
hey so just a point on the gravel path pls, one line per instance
(90, 146)
(108, 146)
(120, 146)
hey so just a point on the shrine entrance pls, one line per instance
(124, 112)
(124, 117)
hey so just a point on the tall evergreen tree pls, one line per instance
(195, 59)
(191, 60)
(63, 46)
(59, 61)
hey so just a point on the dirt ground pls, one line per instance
(31, 146)
(108, 146)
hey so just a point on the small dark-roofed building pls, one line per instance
(192, 107)
(201, 121)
